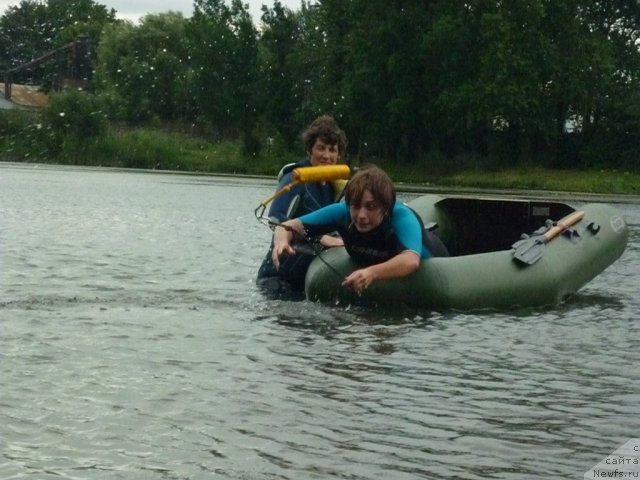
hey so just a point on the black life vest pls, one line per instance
(375, 246)
(381, 243)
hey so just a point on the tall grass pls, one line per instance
(26, 136)
(537, 178)
(153, 149)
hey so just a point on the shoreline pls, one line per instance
(401, 187)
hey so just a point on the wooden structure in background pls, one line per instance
(72, 61)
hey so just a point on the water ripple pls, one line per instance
(135, 345)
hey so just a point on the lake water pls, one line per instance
(135, 345)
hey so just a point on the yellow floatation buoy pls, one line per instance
(337, 174)
(321, 173)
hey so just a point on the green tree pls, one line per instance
(382, 81)
(24, 34)
(450, 50)
(514, 78)
(69, 19)
(280, 77)
(148, 68)
(609, 114)
(34, 28)
(545, 81)
(224, 54)
(506, 100)
(322, 56)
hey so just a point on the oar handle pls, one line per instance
(562, 225)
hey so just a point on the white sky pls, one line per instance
(134, 9)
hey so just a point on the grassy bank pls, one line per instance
(535, 178)
(23, 138)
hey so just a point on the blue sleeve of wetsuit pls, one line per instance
(327, 219)
(408, 231)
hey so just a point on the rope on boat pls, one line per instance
(315, 245)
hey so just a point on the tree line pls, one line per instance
(473, 83)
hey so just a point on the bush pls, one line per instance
(22, 136)
(75, 114)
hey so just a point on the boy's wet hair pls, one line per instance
(326, 129)
(374, 179)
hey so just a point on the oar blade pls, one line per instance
(528, 251)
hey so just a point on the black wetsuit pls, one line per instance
(312, 196)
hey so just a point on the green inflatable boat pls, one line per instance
(504, 253)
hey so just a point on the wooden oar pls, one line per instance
(529, 250)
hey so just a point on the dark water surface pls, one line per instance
(135, 345)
